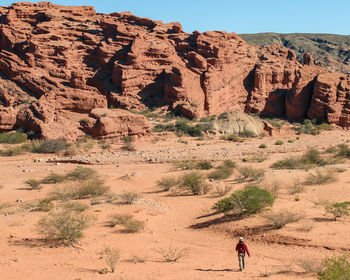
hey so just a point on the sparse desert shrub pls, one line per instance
(133, 226)
(309, 265)
(273, 188)
(291, 140)
(321, 177)
(45, 205)
(53, 178)
(75, 206)
(49, 146)
(81, 173)
(12, 151)
(119, 219)
(280, 219)
(221, 190)
(277, 123)
(88, 145)
(194, 182)
(62, 193)
(287, 163)
(343, 151)
(332, 150)
(185, 164)
(129, 197)
(64, 227)
(248, 173)
(12, 138)
(335, 268)
(246, 202)
(70, 151)
(105, 146)
(222, 172)
(33, 184)
(229, 163)
(296, 187)
(166, 183)
(338, 210)
(204, 165)
(309, 159)
(129, 146)
(232, 138)
(112, 256)
(256, 158)
(90, 188)
(128, 139)
(173, 254)
(262, 146)
(247, 134)
(279, 142)
(306, 226)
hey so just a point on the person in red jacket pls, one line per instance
(241, 249)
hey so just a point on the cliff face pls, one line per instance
(59, 63)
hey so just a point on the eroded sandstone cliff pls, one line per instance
(60, 63)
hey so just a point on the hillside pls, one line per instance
(330, 51)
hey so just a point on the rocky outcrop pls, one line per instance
(59, 63)
(331, 99)
(104, 123)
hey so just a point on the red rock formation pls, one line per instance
(62, 62)
(105, 123)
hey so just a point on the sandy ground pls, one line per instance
(184, 222)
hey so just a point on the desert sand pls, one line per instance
(178, 221)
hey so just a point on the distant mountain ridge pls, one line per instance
(330, 51)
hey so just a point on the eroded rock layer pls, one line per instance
(59, 63)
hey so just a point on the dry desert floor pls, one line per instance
(177, 221)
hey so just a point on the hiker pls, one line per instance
(241, 249)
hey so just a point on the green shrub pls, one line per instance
(64, 227)
(92, 187)
(70, 151)
(12, 151)
(128, 139)
(256, 158)
(229, 163)
(280, 219)
(279, 142)
(53, 178)
(45, 205)
(33, 184)
(129, 197)
(81, 173)
(133, 226)
(247, 134)
(12, 138)
(129, 146)
(335, 268)
(185, 164)
(232, 138)
(338, 210)
(166, 183)
(221, 173)
(119, 219)
(291, 140)
(309, 159)
(343, 151)
(248, 173)
(263, 146)
(193, 182)
(321, 177)
(204, 165)
(246, 202)
(49, 146)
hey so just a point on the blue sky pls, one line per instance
(240, 16)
